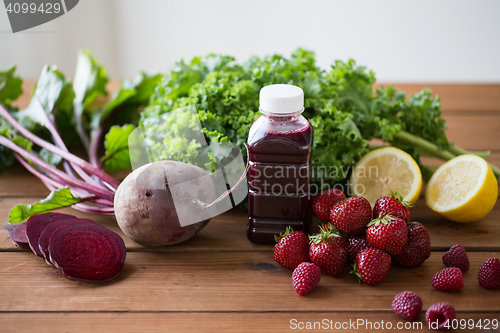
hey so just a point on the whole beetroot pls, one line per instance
(152, 201)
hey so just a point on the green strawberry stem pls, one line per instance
(395, 195)
(288, 231)
(382, 220)
(325, 232)
(356, 273)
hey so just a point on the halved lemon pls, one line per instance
(464, 189)
(386, 170)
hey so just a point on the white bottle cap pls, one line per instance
(281, 99)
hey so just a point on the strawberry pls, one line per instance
(372, 266)
(328, 250)
(393, 204)
(407, 305)
(489, 274)
(323, 202)
(305, 278)
(292, 248)
(351, 215)
(356, 244)
(440, 316)
(388, 234)
(449, 279)
(417, 249)
(457, 257)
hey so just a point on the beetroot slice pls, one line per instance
(35, 226)
(87, 252)
(44, 239)
(18, 236)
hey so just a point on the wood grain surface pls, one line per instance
(269, 322)
(227, 232)
(220, 282)
(205, 281)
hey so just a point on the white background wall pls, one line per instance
(402, 41)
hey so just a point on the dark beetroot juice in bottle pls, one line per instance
(279, 148)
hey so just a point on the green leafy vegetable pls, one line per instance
(39, 136)
(10, 90)
(54, 91)
(90, 79)
(57, 199)
(10, 86)
(123, 108)
(341, 104)
(55, 94)
(89, 83)
(117, 156)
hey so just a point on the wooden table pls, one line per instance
(218, 281)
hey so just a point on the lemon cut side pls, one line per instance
(386, 170)
(464, 189)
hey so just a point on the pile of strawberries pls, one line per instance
(351, 232)
(371, 240)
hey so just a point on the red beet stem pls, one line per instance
(44, 239)
(56, 150)
(87, 252)
(18, 236)
(35, 226)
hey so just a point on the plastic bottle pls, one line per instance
(279, 148)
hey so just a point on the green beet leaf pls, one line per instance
(55, 200)
(117, 155)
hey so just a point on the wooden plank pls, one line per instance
(127, 322)
(224, 281)
(227, 232)
(17, 181)
(458, 97)
(474, 132)
(493, 158)
(482, 235)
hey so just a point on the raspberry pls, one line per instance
(305, 278)
(489, 274)
(407, 305)
(440, 315)
(449, 279)
(457, 257)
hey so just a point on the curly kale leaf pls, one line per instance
(340, 103)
